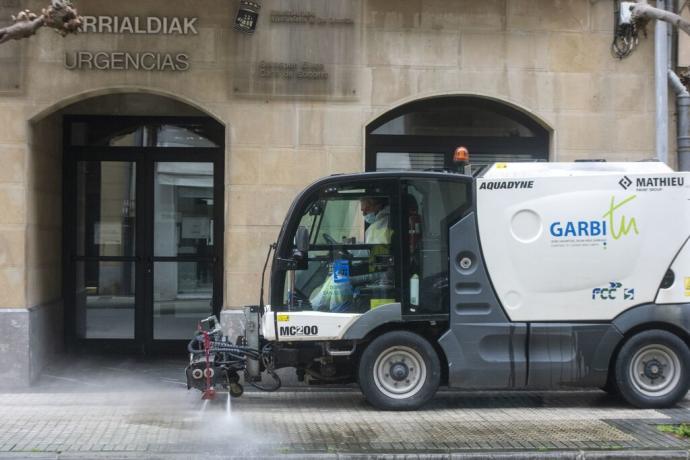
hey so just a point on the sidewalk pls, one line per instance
(127, 409)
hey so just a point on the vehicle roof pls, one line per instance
(517, 170)
(594, 168)
(396, 174)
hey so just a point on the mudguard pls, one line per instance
(389, 313)
(676, 316)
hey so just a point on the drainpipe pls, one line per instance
(682, 108)
(660, 81)
(682, 103)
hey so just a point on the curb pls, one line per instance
(493, 455)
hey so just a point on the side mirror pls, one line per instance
(302, 239)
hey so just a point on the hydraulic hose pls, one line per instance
(275, 377)
(267, 360)
(239, 356)
(223, 347)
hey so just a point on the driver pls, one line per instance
(376, 213)
(336, 294)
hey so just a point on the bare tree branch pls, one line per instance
(25, 25)
(643, 13)
(60, 16)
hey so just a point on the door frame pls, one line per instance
(145, 159)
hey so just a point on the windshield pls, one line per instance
(337, 218)
(350, 263)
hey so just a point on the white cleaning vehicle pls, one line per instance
(529, 276)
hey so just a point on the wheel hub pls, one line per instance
(399, 371)
(653, 369)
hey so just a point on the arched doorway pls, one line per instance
(142, 220)
(423, 134)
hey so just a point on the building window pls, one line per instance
(424, 134)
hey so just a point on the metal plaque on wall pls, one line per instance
(10, 52)
(296, 48)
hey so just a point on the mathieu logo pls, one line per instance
(625, 182)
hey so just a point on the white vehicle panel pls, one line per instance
(580, 169)
(306, 325)
(580, 244)
(268, 325)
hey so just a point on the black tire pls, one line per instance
(652, 369)
(399, 370)
(236, 390)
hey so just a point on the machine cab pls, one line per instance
(369, 240)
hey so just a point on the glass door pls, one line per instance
(183, 247)
(143, 230)
(105, 260)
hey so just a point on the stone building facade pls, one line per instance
(290, 91)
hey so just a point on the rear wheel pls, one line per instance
(399, 370)
(652, 369)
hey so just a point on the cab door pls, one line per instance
(430, 205)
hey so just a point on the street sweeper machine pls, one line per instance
(526, 276)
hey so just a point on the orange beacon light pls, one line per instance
(461, 158)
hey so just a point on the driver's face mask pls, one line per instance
(370, 218)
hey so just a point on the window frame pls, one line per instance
(214, 132)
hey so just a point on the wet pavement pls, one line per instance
(125, 408)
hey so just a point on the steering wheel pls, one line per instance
(339, 252)
(301, 296)
(329, 239)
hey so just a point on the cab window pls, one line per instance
(350, 265)
(430, 207)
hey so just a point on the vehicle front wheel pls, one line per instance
(652, 369)
(399, 370)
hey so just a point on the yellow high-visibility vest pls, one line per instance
(379, 232)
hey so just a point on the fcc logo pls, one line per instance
(625, 182)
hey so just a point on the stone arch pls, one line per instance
(76, 98)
